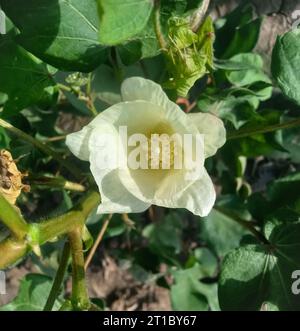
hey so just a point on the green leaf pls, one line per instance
(230, 65)
(63, 33)
(285, 60)
(257, 277)
(165, 237)
(282, 192)
(130, 52)
(177, 7)
(33, 294)
(23, 78)
(105, 87)
(220, 231)
(4, 139)
(279, 200)
(258, 143)
(235, 105)
(186, 293)
(238, 33)
(106, 82)
(291, 142)
(143, 46)
(252, 74)
(122, 19)
(206, 259)
(189, 293)
(245, 38)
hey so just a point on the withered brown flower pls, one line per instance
(10, 178)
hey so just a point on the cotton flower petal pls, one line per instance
(212, 128)
(198, 198)
(115, 198)
(137, 88)
(78, 143)
(147, 110)
(144, 117)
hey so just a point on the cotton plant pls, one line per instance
(61, 62)
(146, 109)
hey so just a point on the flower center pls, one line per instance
(161, 152)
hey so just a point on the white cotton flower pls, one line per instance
(133, 176)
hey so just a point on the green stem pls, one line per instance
(12, 219)
(12, 250)
(63, 224)
(56, 182)
(64, 87)
(157, 26)
(247, 225)
(42, 147)
(59, 277)
(250, 132)
(80, 299)
(90, 102)
(67, 88)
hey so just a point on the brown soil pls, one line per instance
(110, 282)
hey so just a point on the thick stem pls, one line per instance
(157, 26)
(65, 223)
(80, 299)
(12, 250)
(59, 278)
(12, 219)
(42, 147)
(271, 128)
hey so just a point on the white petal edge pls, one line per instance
(213, 129)
(115, 198)
(78, 143)
(199, 198)
(138, 88)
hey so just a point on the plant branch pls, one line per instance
(247, 225)
(98, 241)
(157, 26)
(250, 132)
(199, 16)
(12, 219)
(90, 103)
(56, 182)
(11, 250)
(80, 299)
(42, 147)
(59, 277)
(65, 223)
